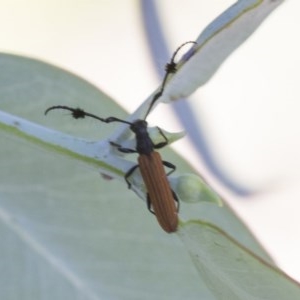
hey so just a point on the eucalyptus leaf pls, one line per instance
(66, 233)
(217, 41)
(64, 226)
(231, 270)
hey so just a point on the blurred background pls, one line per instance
(248, 112)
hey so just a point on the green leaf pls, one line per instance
(217, 41)
(66, 233)
(232, 271)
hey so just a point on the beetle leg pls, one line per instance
(161, 144)
(128, 174)
(121, 149)
(149, 204)
(169, 165)
(176, 200)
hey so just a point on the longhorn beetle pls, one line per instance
(161, 198)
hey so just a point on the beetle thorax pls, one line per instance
(144, 144)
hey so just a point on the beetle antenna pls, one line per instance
(170, 68)
(78, 113)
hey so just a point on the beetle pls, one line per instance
(161, 199)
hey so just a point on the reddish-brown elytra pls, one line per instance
(161, 200)
(160, 196)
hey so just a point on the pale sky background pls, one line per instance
(250, 109)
